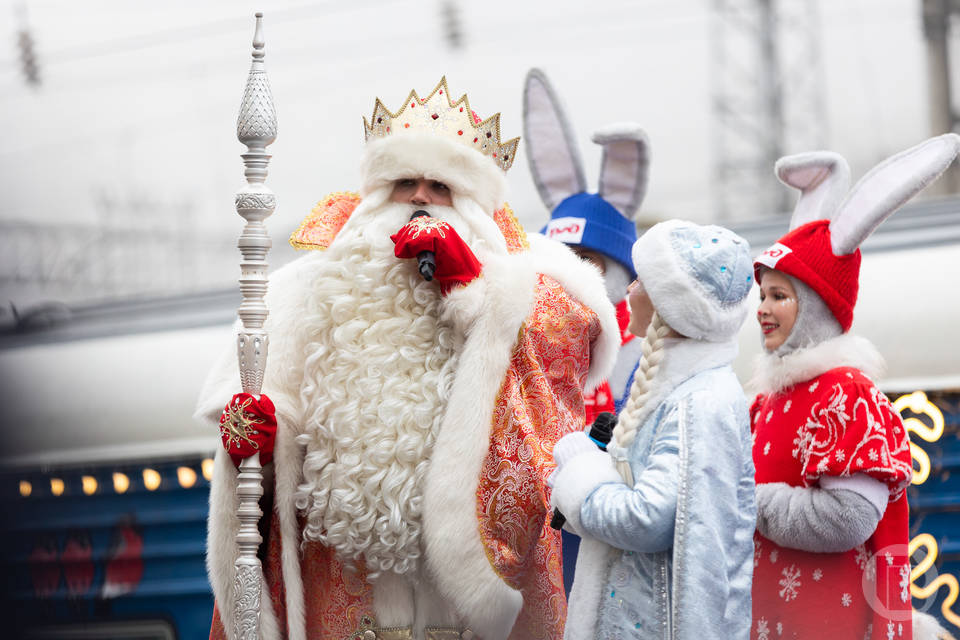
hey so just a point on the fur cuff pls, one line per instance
(593, 560)
(773, 373)
(504, 291)
(576, 480)
(410, 155)
(874, 491)
(926, 627)
(463, 304)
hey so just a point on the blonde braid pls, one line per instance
(629, 422)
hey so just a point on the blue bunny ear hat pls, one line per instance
(697, 277)
(604, 221)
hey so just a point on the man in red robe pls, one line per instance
(415, 418)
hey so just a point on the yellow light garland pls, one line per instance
(918, 403)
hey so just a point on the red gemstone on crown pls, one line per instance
(434, 116)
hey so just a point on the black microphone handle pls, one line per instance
(427, 264)
(426, 260)
(600, 431)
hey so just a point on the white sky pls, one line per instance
(142, 97)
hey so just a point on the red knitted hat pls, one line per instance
(823, 226)
(806, 254)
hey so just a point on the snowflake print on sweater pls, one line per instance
(835, 424)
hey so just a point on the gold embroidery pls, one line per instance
(239, 424)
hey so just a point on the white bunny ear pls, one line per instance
(888, 186)
(822, 177)
(551, 149)
(625, 166)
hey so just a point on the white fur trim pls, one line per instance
(415, 154)
(584, 282)
(575, 481)
(593, 561)
(222, 527)
(870, 489)
(455, 553)
(285, 302)
(773, 373)
(676, 295)
(926, 627)
(464, 304)
(288, 466)
(570, 446)
(682, 359)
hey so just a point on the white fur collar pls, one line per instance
(683, 358)
(773, 373)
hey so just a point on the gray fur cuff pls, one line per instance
(814, 519)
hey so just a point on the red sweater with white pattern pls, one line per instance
(836, 423)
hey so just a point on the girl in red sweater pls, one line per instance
(832, 456)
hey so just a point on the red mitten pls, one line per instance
(248, 426)
(456, 264)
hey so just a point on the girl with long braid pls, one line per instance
(667, 512)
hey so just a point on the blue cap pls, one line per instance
(587, 220)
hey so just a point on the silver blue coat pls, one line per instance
(682, 536)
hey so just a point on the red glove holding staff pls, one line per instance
(248, 426)
(456, 264)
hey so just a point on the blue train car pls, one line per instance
(104, 477)
(108, 549)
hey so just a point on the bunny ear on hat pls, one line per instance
(888, 186)
(822, 178)
(551, 148)
(625, 167)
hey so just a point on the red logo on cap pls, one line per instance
(573, 228)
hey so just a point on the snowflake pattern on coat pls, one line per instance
(836, 424)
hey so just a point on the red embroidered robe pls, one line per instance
(540, 399)
(836, 424)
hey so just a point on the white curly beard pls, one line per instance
(376, 384)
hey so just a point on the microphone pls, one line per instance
(600, 432)
(426, 260)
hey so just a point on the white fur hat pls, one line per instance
(416, 154)
(697, 277)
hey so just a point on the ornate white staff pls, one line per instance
(256, 128)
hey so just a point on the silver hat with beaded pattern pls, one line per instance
(697, 277)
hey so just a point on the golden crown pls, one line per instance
(438, 114)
